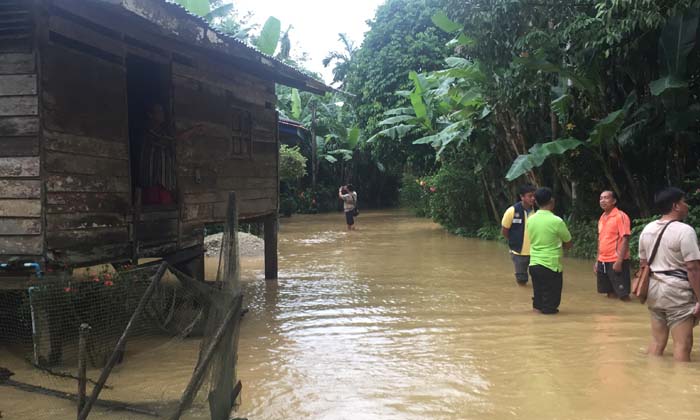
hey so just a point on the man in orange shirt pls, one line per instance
(613, 263)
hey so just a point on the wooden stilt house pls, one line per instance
(83, 86)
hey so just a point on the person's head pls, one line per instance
(544, 198)
(156, 114)
(343, 189)
(350, 188)
(671, 201)
(607, 200)
(526, 192)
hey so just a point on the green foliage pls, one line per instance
(538, 154)
(270, 36)
(454, 203)
(490, 232)
(292, 166)
(198, 7)
(402, 38)
(584, 235)
(414, 195)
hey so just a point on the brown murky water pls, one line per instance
(400, 320)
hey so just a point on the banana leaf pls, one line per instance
(441, 20)
(538, 154)
(396, 132)
(198, 7)
(270, 36)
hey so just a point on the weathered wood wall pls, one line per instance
(20, 186)
(211, 165)
(88, 214)
(85, 142)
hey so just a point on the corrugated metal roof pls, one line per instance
(287, 74)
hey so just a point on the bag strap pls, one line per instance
(656, 245)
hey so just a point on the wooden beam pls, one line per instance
(20, 188)
(87, 202)
(21, 245)
(19, 146)
(19, 126)
(11, 167)
(17, 226)
(15, 85)
(17, 63)
(86, 183)
(20, 208)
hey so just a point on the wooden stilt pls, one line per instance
(271, 228)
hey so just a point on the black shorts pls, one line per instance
(349, 218)
(611, 282)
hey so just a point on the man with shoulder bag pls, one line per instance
(669, 248)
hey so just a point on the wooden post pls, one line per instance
(117, 352)
(82, 366)
(271, 227)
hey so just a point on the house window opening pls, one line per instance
(152, 145)
(241, 133)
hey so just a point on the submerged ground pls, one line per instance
(400, 320)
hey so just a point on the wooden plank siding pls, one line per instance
(65, 170)
(85, 145)
(20, 164)
(207, 168)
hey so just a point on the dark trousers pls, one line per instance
(546, 286)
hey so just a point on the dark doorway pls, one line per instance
(151, 147)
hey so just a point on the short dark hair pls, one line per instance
(526, 188)
(543, 196)
(351, 188)
(667, 197)
(614, 195)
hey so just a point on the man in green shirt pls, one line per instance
(548, 234)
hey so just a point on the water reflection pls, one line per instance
(401, 320)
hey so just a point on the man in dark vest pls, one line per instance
(513, 229)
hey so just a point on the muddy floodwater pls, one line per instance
(401, 320)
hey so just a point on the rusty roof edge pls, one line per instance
(212, 39)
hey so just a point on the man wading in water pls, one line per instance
(613, 263)
(674, 286)
(513, 229)
(548, 234)
(349, 196)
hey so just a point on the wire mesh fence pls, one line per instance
(156, 342)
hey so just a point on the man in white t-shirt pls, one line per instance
(674, 287)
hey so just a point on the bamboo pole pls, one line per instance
(201, 369)
(82, 366)
(122, 340)
(108, 404)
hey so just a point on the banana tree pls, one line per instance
(444, 106)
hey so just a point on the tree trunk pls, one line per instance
(515, 139)
(314, 148)
(636, 191)
(487, 190)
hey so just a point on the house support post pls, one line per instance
(271, 228)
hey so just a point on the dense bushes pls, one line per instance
(454, 198)
(451, 197)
